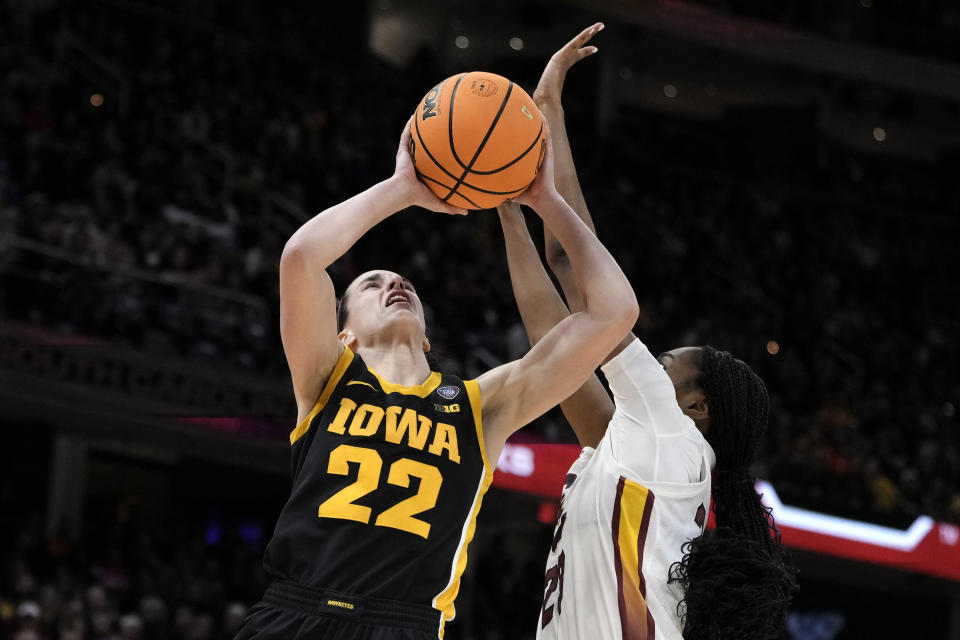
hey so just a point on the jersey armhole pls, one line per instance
(345, 359)
(473, 392)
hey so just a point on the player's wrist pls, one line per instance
(548, 101)
(403, 192)
(548, 203)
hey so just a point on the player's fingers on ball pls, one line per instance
(405, 138)
(445, 207)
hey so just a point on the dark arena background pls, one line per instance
(777, 179)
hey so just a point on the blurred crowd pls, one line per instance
(127, 576)
(117, 581)
(926, 27)
(152, 166)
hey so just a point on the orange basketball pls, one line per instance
(477, 140)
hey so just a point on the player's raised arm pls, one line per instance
(547, 96)
(308, 325)
(517, 392)
(589, 409)
(541, 307)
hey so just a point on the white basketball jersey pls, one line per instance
(627, 509)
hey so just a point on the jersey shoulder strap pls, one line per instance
(347, 360)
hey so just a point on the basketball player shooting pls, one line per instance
(630, 556)
(390, 460)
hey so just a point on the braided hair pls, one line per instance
(737, 580)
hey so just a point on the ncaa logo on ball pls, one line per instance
(484, 87)
(448, 392)
(430, 106)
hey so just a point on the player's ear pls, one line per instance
(348, 339)
(699, 409)
(426, 345)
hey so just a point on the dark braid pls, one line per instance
(738, 404)
(737, 580)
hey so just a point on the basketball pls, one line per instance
(477, 140)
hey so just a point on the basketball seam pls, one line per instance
(430, 155)
(494, 193)
(453, 150)
(423, 145)
(515, 160)
(425, 177)
(493, 125)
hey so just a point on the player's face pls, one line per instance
(682, 365)
(683, 368)
(383, 300)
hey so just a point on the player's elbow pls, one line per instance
(293, 250)
(295, 255)
(625, 311)
(557, 258)
(631, 312)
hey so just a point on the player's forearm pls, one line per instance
(540, 306)
(328, 235)
(568, 185)
(606, 292)
(564, 169)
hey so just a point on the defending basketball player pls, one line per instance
(630, 556)
(391, 460)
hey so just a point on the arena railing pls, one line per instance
(133, 273)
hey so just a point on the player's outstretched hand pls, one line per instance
(416, 193)
(551, 82)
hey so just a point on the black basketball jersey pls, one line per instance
(387, 484)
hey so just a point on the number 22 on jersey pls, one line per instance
(341, 505)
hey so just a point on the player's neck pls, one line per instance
(401, 363)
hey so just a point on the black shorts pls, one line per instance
(291, 611)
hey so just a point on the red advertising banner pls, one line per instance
(926, 546)
(535, 468)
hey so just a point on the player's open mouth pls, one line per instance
(397, 298)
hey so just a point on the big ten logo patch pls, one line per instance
(446, 408)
